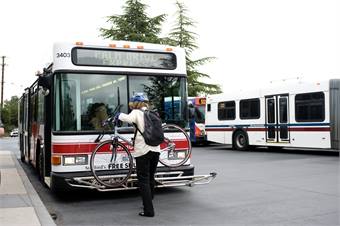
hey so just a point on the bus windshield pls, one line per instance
(200, 114)
(83, 101)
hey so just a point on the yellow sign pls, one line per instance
(201, 101)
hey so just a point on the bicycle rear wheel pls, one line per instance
(176, 148)
(111, 164)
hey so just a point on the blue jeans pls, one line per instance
(146, 168)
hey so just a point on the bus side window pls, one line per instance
(209, 107)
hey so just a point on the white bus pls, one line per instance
(56, 126)
(291, 114)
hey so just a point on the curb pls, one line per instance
(39, 207)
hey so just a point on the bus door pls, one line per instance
(277, 119)
(26, 127)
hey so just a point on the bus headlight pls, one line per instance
(75, 160)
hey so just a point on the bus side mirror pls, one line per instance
(45, 78)
(45, 83)
(45, 92)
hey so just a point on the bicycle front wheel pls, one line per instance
(111, 163)
(176, 147)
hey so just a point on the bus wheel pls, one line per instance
(240, 141)
(22, 156)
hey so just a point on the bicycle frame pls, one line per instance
(174, 178)
(115, 137)
(168, 176)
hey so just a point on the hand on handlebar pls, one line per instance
(116, 117)
(113, 119)
(106, 122)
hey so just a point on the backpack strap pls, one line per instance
(135, 125)
(135, 134)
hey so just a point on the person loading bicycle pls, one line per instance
(146, 156)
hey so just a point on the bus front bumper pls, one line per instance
(165, 177)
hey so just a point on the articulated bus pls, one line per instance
(56, 132)
(295, 114)
(197, 119)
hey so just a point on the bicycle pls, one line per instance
(112, 163)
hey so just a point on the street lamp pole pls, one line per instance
(2, 81)
(2, 88)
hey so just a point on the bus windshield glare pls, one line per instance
(81, 98)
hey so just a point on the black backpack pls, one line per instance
(153, 131)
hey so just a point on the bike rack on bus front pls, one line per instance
(163, 179)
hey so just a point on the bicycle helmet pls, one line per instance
(190, 103)
(139, 97)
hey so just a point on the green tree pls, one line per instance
(134, 24)
(181, 35)
(9, 113)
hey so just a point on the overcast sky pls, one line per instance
(254, 41)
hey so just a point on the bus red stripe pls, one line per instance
(65, 148)
(87, 148)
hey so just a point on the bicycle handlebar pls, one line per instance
(108, 121)
(112, 118)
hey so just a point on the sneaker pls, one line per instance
(143, 214)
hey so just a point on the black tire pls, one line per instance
(172, 156)
(240, 140)
(41, 167)
(22, 156)
(104, 170)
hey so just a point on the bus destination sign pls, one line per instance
(123, 58)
